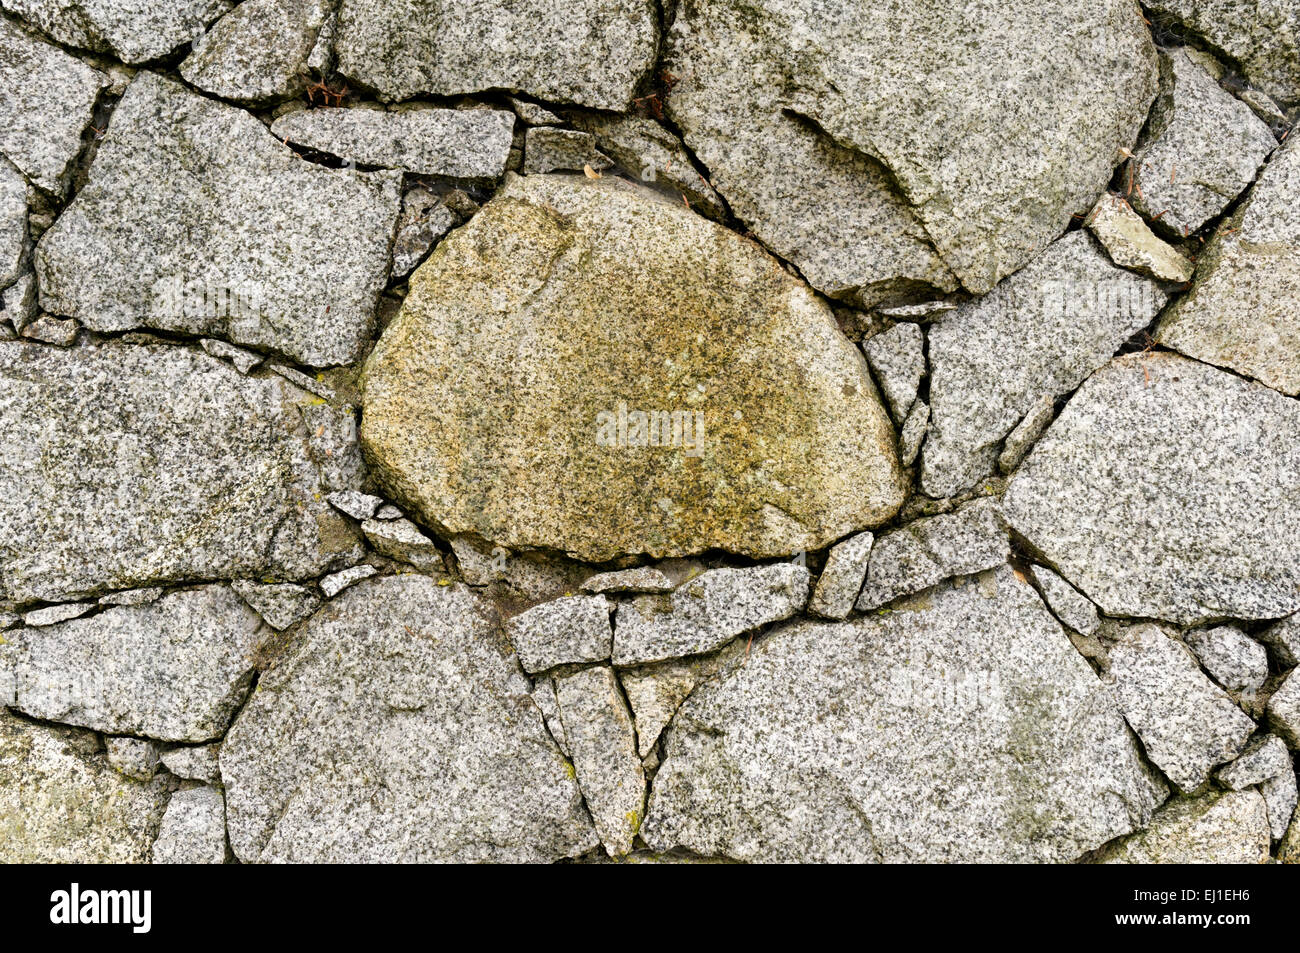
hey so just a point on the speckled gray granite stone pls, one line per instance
(562, 150)
(359, 748)
(841, 579)
(134, 757)
(135, 31)
(1070, 606)
(13, 224)
(467, 146)
(176, 669)
(565, 630)
(1040, 332)
(1284, 710)
(963, 727)
(194, 764)
(1131, 244)
(710, 610)
(1283, 639)
(1215, 828)
(196, 219)
(128, 465)
(402, 540)
(1186, 723)
(193, 830)
(587, 53)
(1266, 762)
(424, 220)
(1025, 433)
(897, 359)
(640, 579)
(1233, 659)
(47, 99)
(1138, 496)
(281, 604)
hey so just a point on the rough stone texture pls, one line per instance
(570, 629)
(1266, 762)
(132, 597)
(994, 151)
(280, 604)
(1262, 35)
(47, 99)
(1284, 641)
(1240, 313)
(134, 31)
(915, 427)
(1284, 710)
(928, 551)
(1026, 433)
(841, 579)
(467, 146)
(195, 219)
(358, 747)
(655, 692)
(402, 540)
(194, 764)
(1131, 244)
(772, 467)
(602, 741)
(360, 506)
(13, 224)
(1216, 828)
(707, 612)
(61, 332)
(1186, 723)
(193, 829)
(134, 757)
(1074, 609)
(175, 669)
(551, 150)
(259, 53)
(425, 219)
(61, 801)
(52, 615)
(1138, 496)
(1201, 149)
(336, 582)
(1040, 332)
(19, 305)
(1233, 659)
(587, 53)
(243, 360)
(897, 358)
(641, 579)
(1288, 851)
(127, 465)
(963, 728)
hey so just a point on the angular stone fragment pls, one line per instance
(1266, 762)
(1215, 828)
(336, 582)
(1040, 332)
(134, 757)
(1186, 723)
(649, 152)
(359, 747)
(1262, 35)
(280, 604)
(52, 615)
(1201, 149)
(928, 551)
(193, 829)
(134, 31)
(61, 332)
(641, 579)
(360, 506)
(1026, 432)
(402, 540)
(897, 358)
(131, 597)
(1137, 493)
(258, 54)
(841, 579)
(602, 742)
(19, 306)
(961, 728)
(458, 145)
(591, 54)
(564, 150)
(195, 219)
(47, 99)
(194, 764)
(1284, 710)
(1288, 851)
(175, 669)
(1283, 638)
(533, 114)
(1074, 609)
(761, 434)
(710, 610)
(61, 801)
(915, 427)
(191, 471)
(1131, 244)
(425, 219)
(566, 630)
(243, 360)
(654, 694)
(992, 150)
(1233, 659)
(13, 223)
(1240, 313)
(543, 694)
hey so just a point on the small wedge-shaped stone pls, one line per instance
(13, 224)
(1233, 659)
(467, 146)
(399, 729)
(1283, 639)
(962, 728)
(1072, 607)
(196, 219)
(131, 465)
(1266, 762)
(193, 829)
(47, 99)
(565, 630)
(897, 358)
(563, 150)
(401, 539)
(602, 742)
(587, 53)
(841, 579)
(701, 399)
(640, 579)
(175, 669)
(1131, 244)
(1138, 496)
(705, 613)
(280, 604)
(195, 764)
(1215, 828)
(1040, 332)
(1284, 710)
(61, 801)
(1187, 724)
(1241, 312)
(928, 551)
(134, 31)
